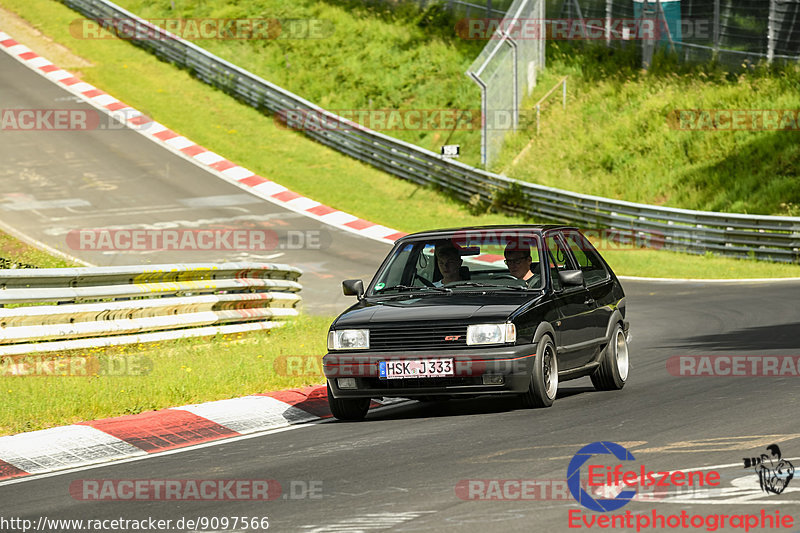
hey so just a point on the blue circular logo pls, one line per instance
(574, 476)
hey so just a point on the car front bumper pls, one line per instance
(472, 366)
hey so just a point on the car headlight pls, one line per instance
(491, 333)
(348, 339)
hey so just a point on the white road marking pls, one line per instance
(222, 200)
(45, 204)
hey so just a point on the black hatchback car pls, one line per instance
(473, 311)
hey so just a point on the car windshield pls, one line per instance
(466, 260)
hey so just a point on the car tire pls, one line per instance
(614, 364)
(543, 385)
(349, 409)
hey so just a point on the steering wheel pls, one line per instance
(534, 281)
(505, 276)
(423, 280)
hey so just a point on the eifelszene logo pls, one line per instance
(628, 479)
(574, 476)
(774, 473)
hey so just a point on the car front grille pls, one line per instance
(417, 337)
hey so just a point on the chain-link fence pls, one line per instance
(732, 31)
(483, 8)
(506, 69)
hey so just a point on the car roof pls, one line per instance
(536, 228)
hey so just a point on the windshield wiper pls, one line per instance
(473, 284)
(491, 285)
(410, 288)
(519, 288)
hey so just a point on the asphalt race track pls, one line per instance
(400, 468)
(403, 468)
(54, 182)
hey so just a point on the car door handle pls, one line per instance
(589, 301)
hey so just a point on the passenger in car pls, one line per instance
(449, 261)
(518, 260)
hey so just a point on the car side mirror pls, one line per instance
(353, 287)
(573, 278)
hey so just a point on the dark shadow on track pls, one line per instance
(771, 337)
(468, 406)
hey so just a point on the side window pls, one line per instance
(588, 260)
(558, 259)
(425, 264)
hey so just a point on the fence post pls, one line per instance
(580, 16)
(484, 132)
(543, 35)
(515, 74)
(716, 28)
(772, 36)
(564, 94)
(609, 6)
(666, 24)
(649, 44)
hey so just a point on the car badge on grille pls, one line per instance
(452, 337)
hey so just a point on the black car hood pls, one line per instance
(466, 307)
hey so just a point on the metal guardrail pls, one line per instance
(101, 306)
(738, 235)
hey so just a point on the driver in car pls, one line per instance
(449, 261)
(518, 260)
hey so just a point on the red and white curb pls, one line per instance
(124, 437)
(188, 149)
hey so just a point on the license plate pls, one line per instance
(416, 368)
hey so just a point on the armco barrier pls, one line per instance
(100, 306)
(739, 235)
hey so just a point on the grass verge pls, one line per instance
(181, 372)
(13, 250)
(614, 139)
(622, 135)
